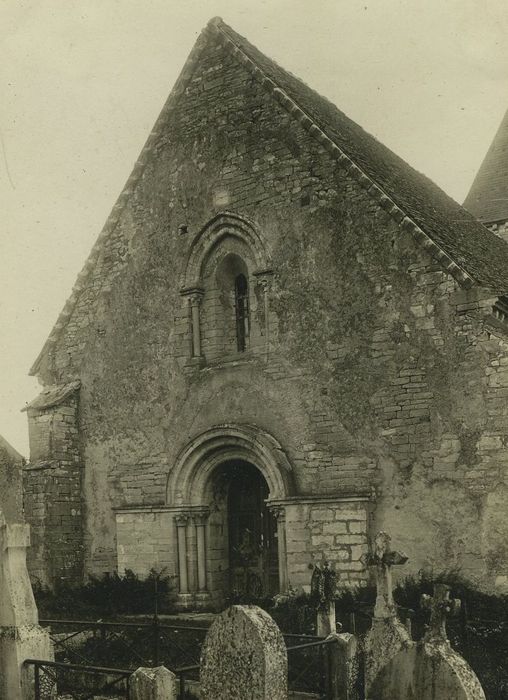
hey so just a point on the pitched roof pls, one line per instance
(469, 251)
(480, 254)
(8, 450)
(52, 396)
(488, 197)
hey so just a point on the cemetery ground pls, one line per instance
(241, 653)
(127, 622)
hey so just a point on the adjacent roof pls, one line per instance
(52, 396)
(465, 248)
(7, 449)
(488, 196)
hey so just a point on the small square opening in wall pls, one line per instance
(305, 200)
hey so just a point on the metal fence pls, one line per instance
(126, 644)
(83, 643)
(77, 681)
(309, 665)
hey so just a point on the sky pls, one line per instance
(82, 83)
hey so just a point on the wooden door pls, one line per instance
(252, 528)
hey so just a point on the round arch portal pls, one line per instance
(194, 465)
(201, 517)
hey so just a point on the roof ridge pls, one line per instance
(346, 163)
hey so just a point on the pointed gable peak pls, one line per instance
(461, 245)
(488, 197)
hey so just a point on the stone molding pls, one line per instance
(221, 225)
(198, 459)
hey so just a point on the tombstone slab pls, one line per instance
(153, 684)
(244, 657)
(427, 671)
(431, 669)
(343, 666)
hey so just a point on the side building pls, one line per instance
(11, 493)
(488, 197)
(284, 340)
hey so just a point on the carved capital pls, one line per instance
(193, 294)
(264, 279)
(181, 519)
(200, 517)
(279, 513)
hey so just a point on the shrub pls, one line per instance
(107, 596)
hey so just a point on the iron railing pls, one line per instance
(178, 647)
(130, 644)
(309, 666)
(54, 678)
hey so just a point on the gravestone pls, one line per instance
(153, 684)
(429, 670)
(387, 635)
(343, 666)
(20, 635)
(244, 656)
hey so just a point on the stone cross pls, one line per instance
(383, 558)
(429, 669)
(20, 635)
(441, 606)
(323, 587)
(244, 657)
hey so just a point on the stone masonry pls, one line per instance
(52, 488)
(372, 391)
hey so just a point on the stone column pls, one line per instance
(280, 515)
(195, 302)
(200, 522)
(181, 528)
(264, 281)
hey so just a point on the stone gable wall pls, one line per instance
(382, 374)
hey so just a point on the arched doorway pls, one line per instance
(219, 485)
(252, 532)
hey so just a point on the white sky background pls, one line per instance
(83, 81)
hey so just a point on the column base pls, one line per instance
(195, 362)
(203, 600)
(185, 601)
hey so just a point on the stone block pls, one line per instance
(343, 514)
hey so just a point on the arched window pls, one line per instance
(241, 312)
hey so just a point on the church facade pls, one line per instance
(284, 340)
